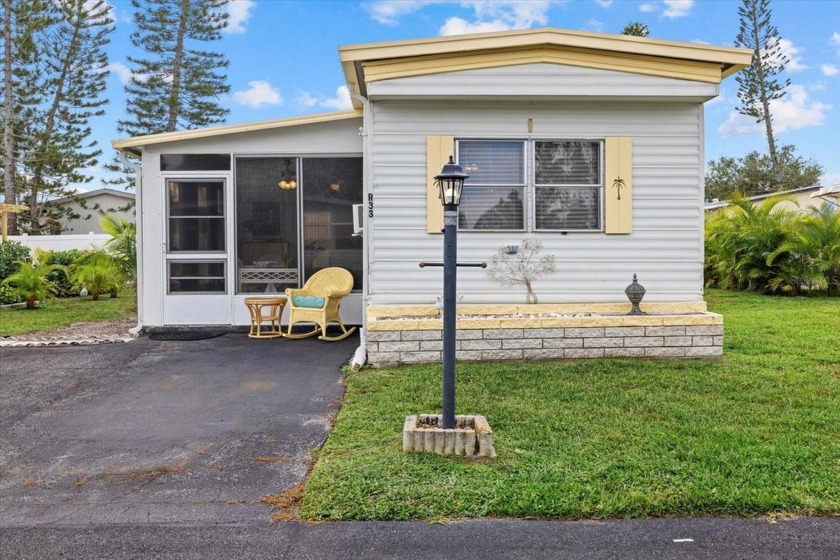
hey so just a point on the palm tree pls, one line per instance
(740, 239)
(123, 243)
(31, 282)
(811, 254)
(97, 271)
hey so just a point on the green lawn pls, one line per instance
(66, 311)
(755, 433)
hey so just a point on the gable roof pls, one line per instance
(132, 144)
(95, 192)
(816, 190)
(365, 63)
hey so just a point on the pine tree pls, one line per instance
(176, 86)
(636, 29)
(75, 72)
(757, 84)
(177, 83)
(24, 24)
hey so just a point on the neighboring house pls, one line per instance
(90, 206)
(798, 199)
(546, 122)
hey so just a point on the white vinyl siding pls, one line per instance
(542, 80)
(664, 248)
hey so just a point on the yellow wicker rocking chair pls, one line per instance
(318, 302)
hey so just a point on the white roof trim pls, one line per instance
(140, 141)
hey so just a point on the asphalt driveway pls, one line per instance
(161, 432)
(163, 449)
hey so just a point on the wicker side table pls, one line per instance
(265, 316)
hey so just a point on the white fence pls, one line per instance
(62, 242)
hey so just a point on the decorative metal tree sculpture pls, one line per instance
(522, 267)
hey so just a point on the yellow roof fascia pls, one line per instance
(138, 141)
(355, 59)
(639, 64)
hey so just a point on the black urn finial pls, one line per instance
(635, 292)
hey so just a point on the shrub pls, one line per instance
(771, 250)
(8, 295)
(12, 253)
(60, 278)
(31, 282)
(98, 272)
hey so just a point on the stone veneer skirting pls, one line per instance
(413, 335)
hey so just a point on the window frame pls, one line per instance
(170, 278)
(523, 185)
(224, 216)
(529, 201)
(534, 186)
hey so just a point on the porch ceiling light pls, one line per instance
(450, 182)
(288, 179)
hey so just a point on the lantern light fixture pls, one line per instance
(288, 178)
(450, 182)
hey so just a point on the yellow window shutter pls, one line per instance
(618, 185)
(438, 150)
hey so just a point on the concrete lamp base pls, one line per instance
(471, 437)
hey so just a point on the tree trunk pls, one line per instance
(531, 297)
(765, 103)
(8, 117)
(49, 125)
(175, 91)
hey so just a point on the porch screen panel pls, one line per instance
(331, 186)
(196, 216)
(266, 225)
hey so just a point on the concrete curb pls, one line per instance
(15, 342)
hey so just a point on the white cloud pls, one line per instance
(121, 70)
(604, 3)
(341, 101)
(835, 39)
(125, 74)
(499, 16)
(647, 7)
(829, 69)
(488, 15)
(106, 10)
(458, 26)
(239, 12)
(793, 111)
(260, 94)
(792, 52)
(595, 25)
(305, 100)
(677, 8)
(389, 12)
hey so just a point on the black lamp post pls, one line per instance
(450, 181)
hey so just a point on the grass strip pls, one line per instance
(755, 433)
(62, 312)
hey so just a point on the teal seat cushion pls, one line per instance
(308, 301)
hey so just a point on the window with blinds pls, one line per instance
(493, 194)
(565, 189)
(567, 185)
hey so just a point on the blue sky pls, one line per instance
(284, 59)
